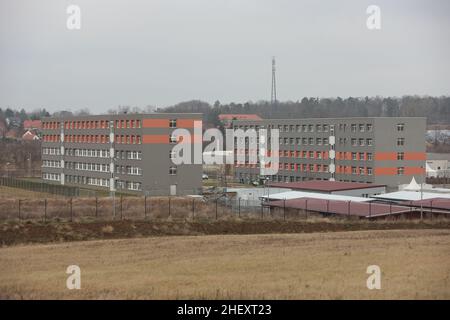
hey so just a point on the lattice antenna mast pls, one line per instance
(273, 96)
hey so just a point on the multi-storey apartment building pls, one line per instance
(380, 150)
(125, 152)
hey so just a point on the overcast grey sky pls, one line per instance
(160, 52)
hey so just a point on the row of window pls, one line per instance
(51, 176)
(51, 163)
(82, 138)
(303, 167)
(355, 127)
(130, 155)
(91, 153)
(129, 139)
(280, 178)
(82, 166)
(362, 171)
(92, 124)
(304, 141)
(134, 171)
(100, 124)
(101, 182)
(51, 151)
(130, 185)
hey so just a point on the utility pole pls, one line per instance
(273, 95)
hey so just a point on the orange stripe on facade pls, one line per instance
(383, 156)
(164, 123)
(385, 171)
(194, 139)
(152, 138)
(155, 123)
(164, 139)
(415, 156)
(414, 171)
(189, 123)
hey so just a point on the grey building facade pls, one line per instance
(125, 152)
(381, 150)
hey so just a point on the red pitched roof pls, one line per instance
(325, 185)
(239, 117)
(32, 124)
(28, 136)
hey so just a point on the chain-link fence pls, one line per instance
(62, 190)
(215, 207)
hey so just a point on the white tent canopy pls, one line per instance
(413, 186)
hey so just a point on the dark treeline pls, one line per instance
(436, 109)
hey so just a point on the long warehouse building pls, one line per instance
(382, 150)
(123, 152)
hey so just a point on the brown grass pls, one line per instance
(16, 193)
(415, 264)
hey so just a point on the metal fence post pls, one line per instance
(431, 209)
(306, 208)
(348, 213)
(239, 207)
(121, 208)
(169, 207)
(216, 206)
(284, 209)
(45, 209)
(370, 209)
(71, 211)
(145, 207)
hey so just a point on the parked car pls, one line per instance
(205, 176)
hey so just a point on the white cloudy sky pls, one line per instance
(161, 52)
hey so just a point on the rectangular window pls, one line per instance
(400, 127)
(361, 128)
(172, 123)
(400, 155)
(400, 141)
(173, 171)
(400, 171)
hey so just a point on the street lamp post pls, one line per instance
(421, 198)
(7, 169)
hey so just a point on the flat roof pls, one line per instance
(435, 203)
(325, 185)
(289, 195)
(360, 209)
(411, 195)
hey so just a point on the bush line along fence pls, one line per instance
(67, 191)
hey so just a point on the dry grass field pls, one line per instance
(415, 264)
(14, 193)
